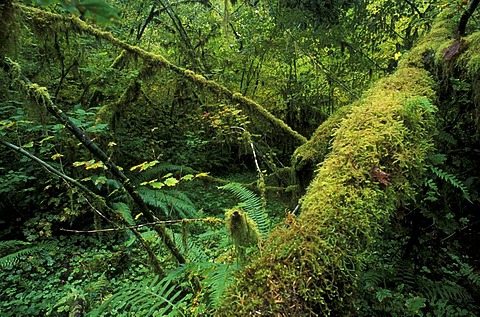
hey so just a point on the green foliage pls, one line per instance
(48, 279)
(346, 206)
(10, 255)
(97, 10)
(451, 180)
(152, 296)
(335, 253)
(215, 279)
(406, 289)
(171, 204)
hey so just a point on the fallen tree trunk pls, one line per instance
(372, 157)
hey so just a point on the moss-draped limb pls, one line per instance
(41, 97)
(41, 17)
(309, 267)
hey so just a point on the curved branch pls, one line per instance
(462, 24)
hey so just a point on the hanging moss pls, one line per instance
(242, 230)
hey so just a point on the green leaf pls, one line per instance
(188, 177)
(124, 210)
(28, 145)
(171, 181)
(157, 185)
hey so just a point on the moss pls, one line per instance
(310, 268)
(443, 30)
(242, 230)
(470, 58)
(8, 28)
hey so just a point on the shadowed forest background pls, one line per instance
(239, 158)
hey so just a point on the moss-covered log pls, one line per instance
(371, 157)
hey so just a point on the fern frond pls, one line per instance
(172, 203)
(15, 255)
(373, 277)
(452, 180)
(218, 281)
(191, 250)
(151, 297)
(405, 273)
(8, 245)
(445, 290)
(216, 278)
(252, 204)
(124, 210)
(13, 258)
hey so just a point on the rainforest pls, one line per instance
(239, 158)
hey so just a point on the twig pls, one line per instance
(209, 220)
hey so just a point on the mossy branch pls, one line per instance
(56, 21)
(41, 97)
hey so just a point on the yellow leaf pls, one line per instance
(57, 156)
(188, 177)
(148, 182)
(110, 144)
(148, 165)
(77, 164)
(95, 165)
(202, 174)
(29, 144)
(138, 216)
(46, 139)
(137, 166)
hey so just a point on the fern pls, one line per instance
(150, 297)
(252, 204)
(216, 279)
(124, 210)
(13, 255)
(405, 273)
(452, 180)
(446, 290)
(172, 203)
(191, 250)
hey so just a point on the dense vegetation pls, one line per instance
(224, 158)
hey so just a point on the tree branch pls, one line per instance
(462, 24)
